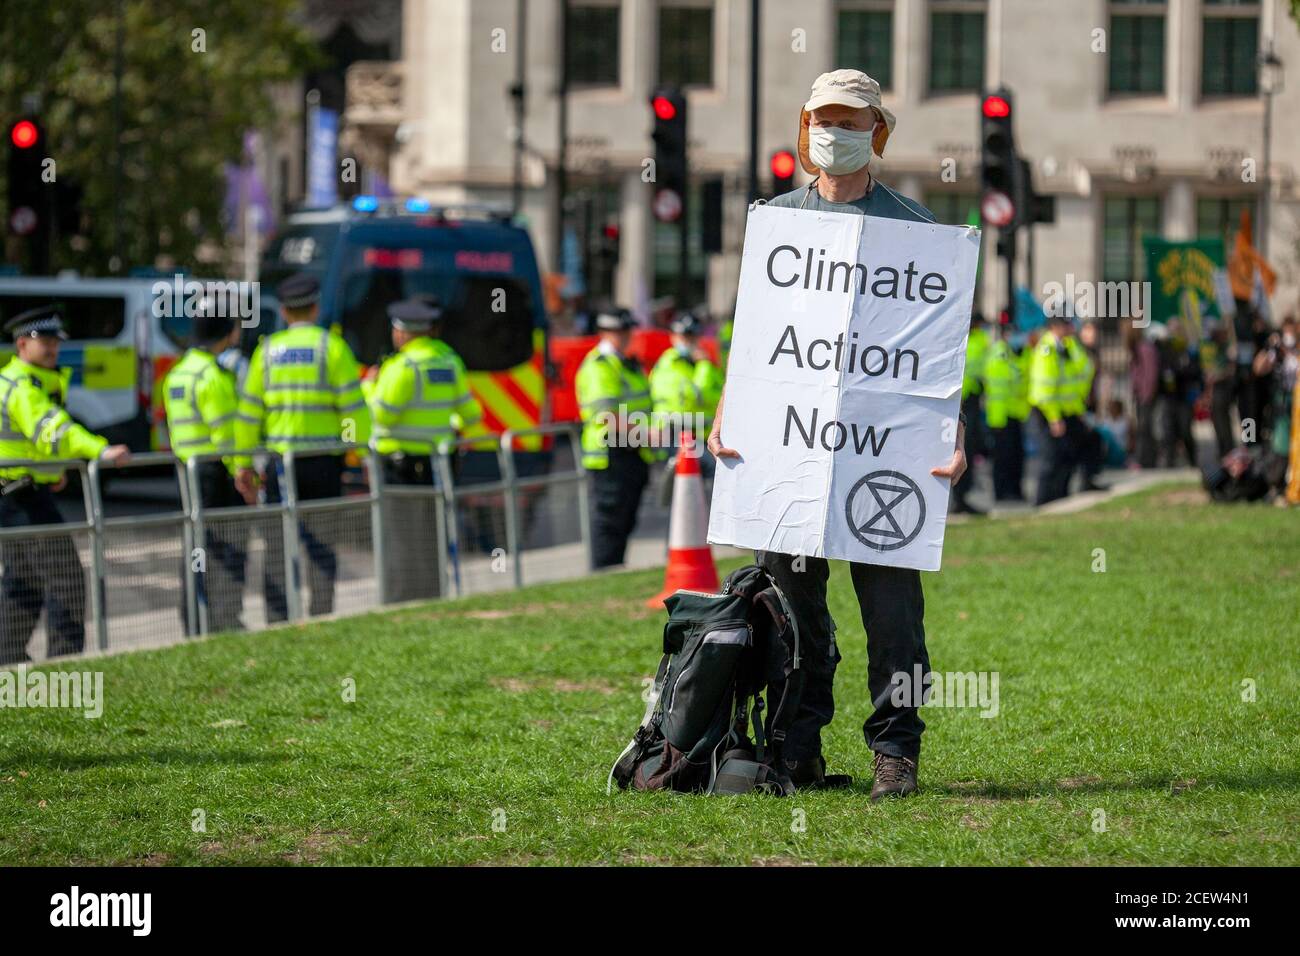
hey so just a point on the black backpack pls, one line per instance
(722, 653)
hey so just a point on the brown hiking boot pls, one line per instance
(895, 777)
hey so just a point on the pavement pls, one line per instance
(144, 586)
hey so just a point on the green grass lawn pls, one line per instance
(482, 730)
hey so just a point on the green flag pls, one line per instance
(1182, 280)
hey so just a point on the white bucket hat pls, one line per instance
(848, 88)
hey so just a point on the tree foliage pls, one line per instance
(196, 75)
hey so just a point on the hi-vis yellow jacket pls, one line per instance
(201, 403)
(609, 387)
(421, 399)
(1059, 377)
(303, 387)
(35, 425)
(1006, 386)
(682, 386)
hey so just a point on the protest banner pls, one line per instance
(843, 386)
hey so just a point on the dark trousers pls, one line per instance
(320, 476)
(1144, 442)
(1221, 415)
(221, 582)
(1091, 451)
(977, 443)
(893, 613)
(616, 497)
(1176, 430)
(1009, 461)
(43, 572)
(1060, 457)
(413, 568)
(1248, 402)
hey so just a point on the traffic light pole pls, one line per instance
(755, 49)
(562, 158)
(684, 253)
(1011, 272)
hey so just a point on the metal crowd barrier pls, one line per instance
(127, 560)
(157, 578)
(518, 513)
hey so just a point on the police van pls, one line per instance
(119, 349)
(479, 263)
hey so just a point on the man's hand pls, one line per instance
(60, 484)
(955, 468)
(246, 484)
(717, 449)
(1057, 428)
(115, 454)
(714, 444)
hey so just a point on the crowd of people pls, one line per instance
(1047, 392)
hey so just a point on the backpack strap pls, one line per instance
(774, 602)
(626, 763)
(757, 716)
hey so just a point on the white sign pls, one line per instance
(844, 386)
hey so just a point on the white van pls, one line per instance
(118, 349)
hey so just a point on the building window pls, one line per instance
(1229, 47)
(1220, 218)
(1126, 219)
(1137, 46)
(956, 46)
(592, 44)
(954, 209)
(686, 45)
(864, 39)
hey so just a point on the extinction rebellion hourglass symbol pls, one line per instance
(885, 510)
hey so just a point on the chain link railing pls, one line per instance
(461, 521)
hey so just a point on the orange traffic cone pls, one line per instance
(690, 560)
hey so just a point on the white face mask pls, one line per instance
(839, 151)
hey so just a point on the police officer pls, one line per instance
(685, 382)
(1006, 406)
(1059, 380)
(303, 388)
(684, 388)
(419, 400)
(977, 345)
(612, 394)
(200, 399)
(34, 425)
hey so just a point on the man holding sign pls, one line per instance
(845, 378)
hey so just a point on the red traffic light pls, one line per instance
(664, 108)
(24, 134)
(783, 164)
(995, 107)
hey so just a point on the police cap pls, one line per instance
(299, 291)
(615, 320)
(414, 315)
(687, 323)
(209, 325)
(44, 320)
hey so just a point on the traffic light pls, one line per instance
(998, 165)
(28, 209)
(669, 108)
(608, 247)
(782, 166)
